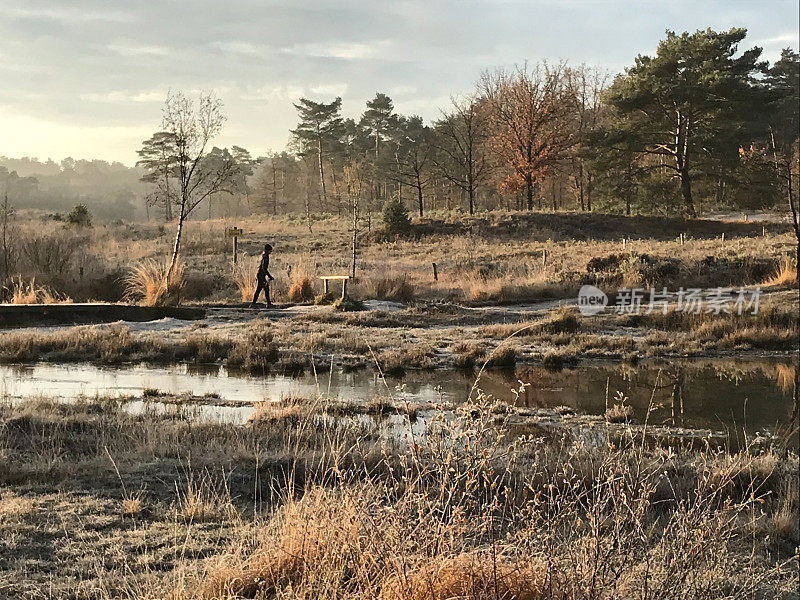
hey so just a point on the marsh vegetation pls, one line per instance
(159, 504)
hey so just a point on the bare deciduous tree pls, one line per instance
(461, 156)
(529, 111)
(193, 126)
(357, 181)
(585, 86)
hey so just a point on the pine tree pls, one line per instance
(319, 132)
(687, 98)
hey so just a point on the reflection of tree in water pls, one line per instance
(706, 393)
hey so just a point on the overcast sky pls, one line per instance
(87, 78)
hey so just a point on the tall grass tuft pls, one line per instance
(390, 287)
(23, 292)
(786, 274)
(146, 283)
(244, 276)
(302, 286)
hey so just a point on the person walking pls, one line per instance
(263, 277)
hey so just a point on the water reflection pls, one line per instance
(734, 395)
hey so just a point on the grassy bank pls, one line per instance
(498, 257)
(424, 336)
(297, 505)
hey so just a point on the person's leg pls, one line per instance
(266, 293)
(259, 287)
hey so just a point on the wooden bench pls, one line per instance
(342, 278)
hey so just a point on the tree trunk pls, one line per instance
(336, 192)
(529, 190)
(324, 197)
(308, 210)
(682, 162)
(176, 246)
(355, 236)
(580, 185)
(589, 191)
(274, 191)
(167, 201)
(471, 195)
(686, 192)
(419, 196)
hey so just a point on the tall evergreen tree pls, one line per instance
(319, 132)
(377, 122)
(159, 157)
(692, 93)
(783, 81)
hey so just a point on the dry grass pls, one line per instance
(146, 283)
(14, 507)
(491, 258)
(465, 510)
(389, 287)
(619, 412)
(301, 288)
(29, 293)
(786, 274)
(310, 538)
(244, 276)
(205, 499)
(475, 575)
(132, 506)
(290, 408)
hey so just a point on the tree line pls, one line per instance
(697, 126)
(112, 190)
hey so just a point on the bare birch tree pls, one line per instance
(193, 126)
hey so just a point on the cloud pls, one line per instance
(123, 96)
(139, 50)
(340, 50)
(104, 67)
(272, 92)
(242, 48)
(71, 15)
(329, 89)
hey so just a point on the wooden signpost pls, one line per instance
(235, 232)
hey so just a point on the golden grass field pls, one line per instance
(99, 502)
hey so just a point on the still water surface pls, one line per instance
(753, 395)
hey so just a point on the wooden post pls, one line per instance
(544, 257)
(763, 231)
(623, 243)
(235, 249)
(435, 273)
(344, 288)
(722, 238)
(325, 286)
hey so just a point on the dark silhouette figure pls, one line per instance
(263, 277)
